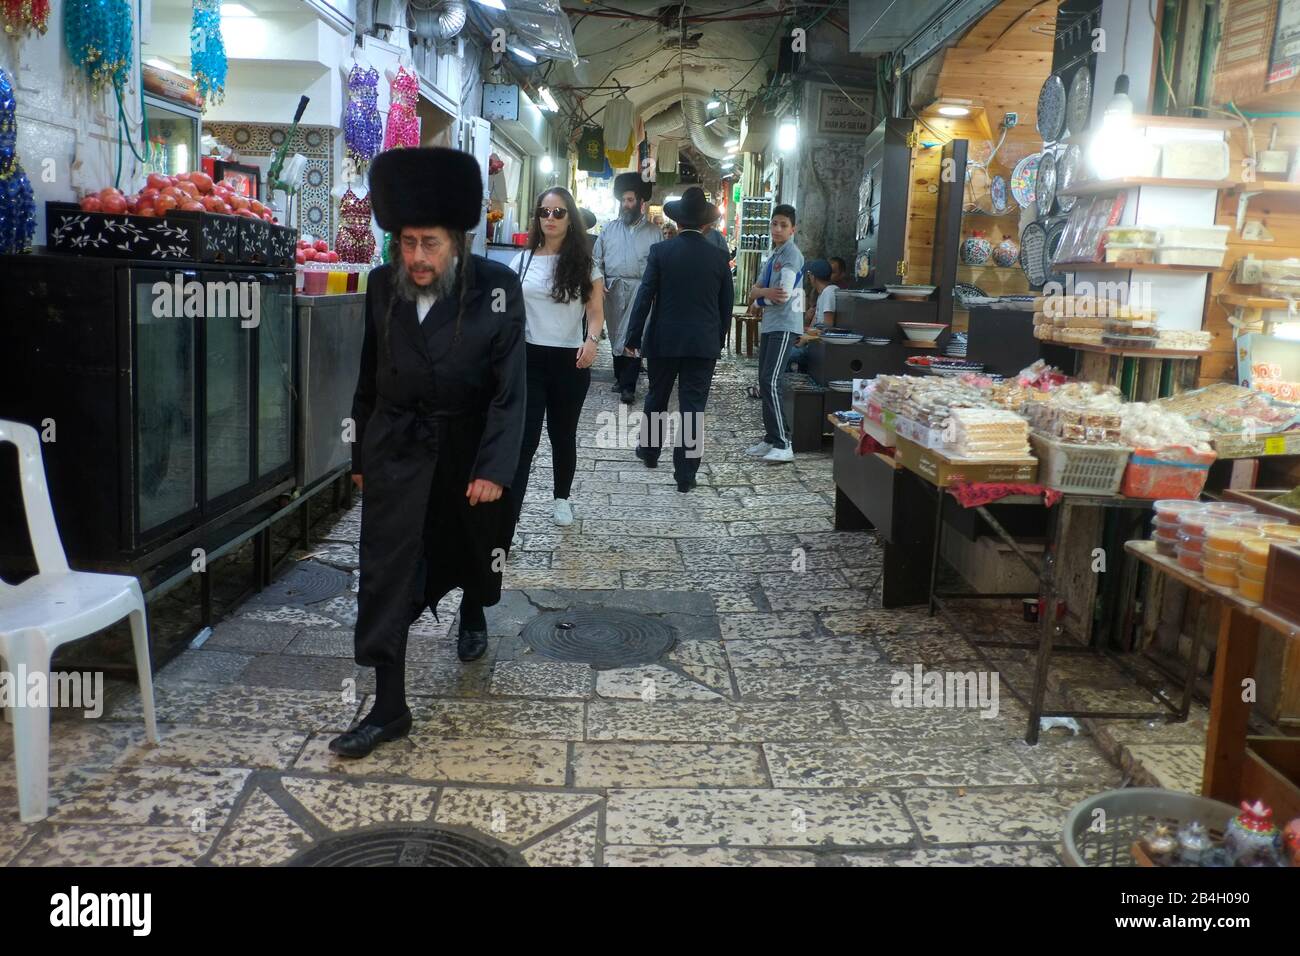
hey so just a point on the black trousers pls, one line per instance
(693, 377)
(556, 390)
(626, 371)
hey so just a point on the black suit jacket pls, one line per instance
(687, 282)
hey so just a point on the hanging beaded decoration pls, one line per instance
(17, 206)
(355, 242)
(403, 124)
(23, 16)
(97, 34)
(208, 51)
(362, 127)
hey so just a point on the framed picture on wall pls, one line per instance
(241, 177)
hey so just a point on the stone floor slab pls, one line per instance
(602, 765)
(465, 760)
(348, 805)
(992, 814)
(511, 816)
(261, 834)
(133, 846)
(720, 722)
(650, 683)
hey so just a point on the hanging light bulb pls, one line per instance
(1110, 151)
(787, 136)
(545, 164)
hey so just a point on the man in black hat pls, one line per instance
(438, 417)
(620, 255)
(688, 284)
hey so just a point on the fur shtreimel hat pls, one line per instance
(432, 186)
(632, 182)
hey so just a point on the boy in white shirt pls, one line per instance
(822, 310)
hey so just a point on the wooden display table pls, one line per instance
(1237, 767)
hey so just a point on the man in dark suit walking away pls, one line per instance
(687, 284)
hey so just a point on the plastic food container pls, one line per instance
(1252, 572)
(1166, 547)
(1228, 537)
(1255, 553)
(1194, 522)
(1288, 533)
(1259, 521)
(1165, 534)
(1218, 556)
(1138, 254)
(1229, 508)
(1251, 590)
(1194, 236)
(1194, 159)
(1191, 542)
(1175, 508)
(1189, 559)
(1135, 235)
(1209, 256)
(1218, 574)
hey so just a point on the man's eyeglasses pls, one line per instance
(429, 244)
(558, 213)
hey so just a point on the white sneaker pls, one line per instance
(759, 450)
(563, 512)
(779, 455)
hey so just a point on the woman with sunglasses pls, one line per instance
(564, 308)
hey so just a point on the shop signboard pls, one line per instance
(837, 114)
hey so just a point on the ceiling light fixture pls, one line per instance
(548, 99)
(710, 122)
(954, 111)
(523, 54)
(545, 164)
(787, 136)
(712, 105)
(494, 4)
(732, 142)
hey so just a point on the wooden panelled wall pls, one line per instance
(999, 65)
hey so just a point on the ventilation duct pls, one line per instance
(703, 138)
(435, 21)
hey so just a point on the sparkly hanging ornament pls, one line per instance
(24, 16)
(17, 205)
(403, 123)
(98, 37)
(362, 127)
(355, 242)
(208, 51)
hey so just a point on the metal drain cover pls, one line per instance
(601, 637)
(308, 582)
(406, 846)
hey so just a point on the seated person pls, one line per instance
(822, 310)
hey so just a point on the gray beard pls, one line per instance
(409, 290)
(629, 216)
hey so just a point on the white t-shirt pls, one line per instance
(825, 303)
(551, 323)
(423, 303)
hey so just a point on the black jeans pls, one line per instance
(556, 390)
(693, 376)
(626, 370)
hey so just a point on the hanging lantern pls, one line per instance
(98, 37)
(24, 16)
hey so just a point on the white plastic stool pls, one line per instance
(56, 606)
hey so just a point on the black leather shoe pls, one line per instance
(360, 740)
(471, 645)
(646, 459)
(685, 486)
(628, 396)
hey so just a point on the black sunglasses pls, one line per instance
(559, 212)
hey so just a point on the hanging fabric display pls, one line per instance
(403, 123)
(208, 51)
(668, 150)
(620, 115)
(355, 241)
(98, 37)
(362, 127)
(620, 158)
(23, 16)
(591, 150)
(17, 205)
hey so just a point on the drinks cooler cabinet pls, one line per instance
(156, 423)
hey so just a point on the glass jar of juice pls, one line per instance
(354, 276)
(313, 279)
(363, 280)
(337, 283)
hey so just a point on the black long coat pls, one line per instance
(432, 415)
(687, 285)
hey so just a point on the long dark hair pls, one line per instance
(573, 270)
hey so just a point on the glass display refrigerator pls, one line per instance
(174, 130)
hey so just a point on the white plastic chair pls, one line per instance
(55, 606)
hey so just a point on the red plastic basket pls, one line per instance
(1178, 471)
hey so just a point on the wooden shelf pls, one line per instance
(1133, 267)
(1132, 182)
(907, 344)
(1271, 187)
(1134, 353)
(1251, 301)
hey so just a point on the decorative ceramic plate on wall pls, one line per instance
(862, 265)
(1051, 109)
(1024, 179)
(1045, 189)
(1067, 170)
(1051, 243)
(1078, 105)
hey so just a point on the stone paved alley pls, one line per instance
(771, 741)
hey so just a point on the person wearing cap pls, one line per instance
(822, 310)
(620, 255)
(588, 223)
(688, 287)
(438, 419)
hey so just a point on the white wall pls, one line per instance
(59, 121)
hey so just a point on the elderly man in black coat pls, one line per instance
(687, 283)
(439, 417)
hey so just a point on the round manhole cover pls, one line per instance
(601, 637)
(406, 846)
(307, 582)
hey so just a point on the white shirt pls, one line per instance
(423, 303)
(825, 303)
(550, 323)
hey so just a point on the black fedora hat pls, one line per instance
(692, 210)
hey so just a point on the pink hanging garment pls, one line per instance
(403, 124)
